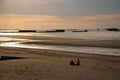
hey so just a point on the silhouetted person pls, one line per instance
(72, 62)
(78, 62)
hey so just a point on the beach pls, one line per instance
(59, 39)
(46, 64)
(54, 65)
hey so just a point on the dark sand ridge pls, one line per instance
(54, 65)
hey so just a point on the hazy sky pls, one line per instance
(50, 14)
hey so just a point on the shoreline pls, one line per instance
(61, 51)
(69, 41)
(58, 53)
(80, 43)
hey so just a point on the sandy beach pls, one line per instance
(54, 65)
(39, 64)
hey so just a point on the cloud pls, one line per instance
(65, 8)
(103, 17)
(31, 18)
(17, 21)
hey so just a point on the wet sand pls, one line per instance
(54, 65)
(69, 41)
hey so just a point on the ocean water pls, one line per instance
(96, 35)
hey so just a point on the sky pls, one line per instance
(59, 14)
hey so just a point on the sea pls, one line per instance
(92, 34)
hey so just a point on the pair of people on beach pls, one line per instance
(73, 63)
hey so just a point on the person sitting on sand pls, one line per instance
(72, 62)
(78, 62)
